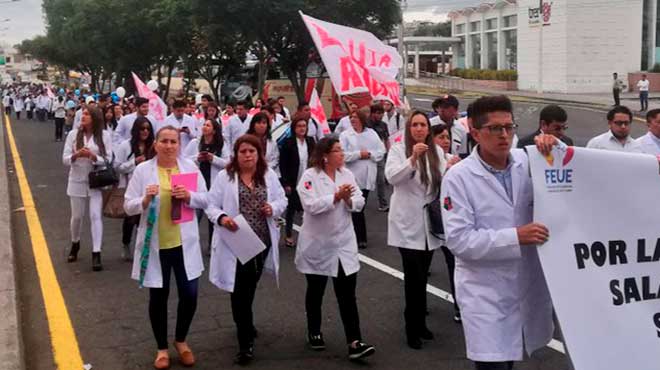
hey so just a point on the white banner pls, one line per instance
(602, 262)
(356, 60)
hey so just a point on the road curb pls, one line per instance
(421, 90)
(11, 341)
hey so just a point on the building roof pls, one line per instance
(424, 40)
(483, 7)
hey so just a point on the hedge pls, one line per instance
(485, 74)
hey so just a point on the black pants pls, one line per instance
(293, 207)
(451, 267)
(30, 114)
(504, 365)
(617, 100)
(416, 266)
(345, 292)
(7, 110)
(41, 114)
(359, 222)
(18, 115)
(59, 128)
(245, 286)
(172, 259)
(127, 227)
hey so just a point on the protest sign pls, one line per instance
(602, 261)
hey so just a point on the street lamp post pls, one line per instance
(539, 88)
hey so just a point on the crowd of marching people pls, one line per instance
(459, 183)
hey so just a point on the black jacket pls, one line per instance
(290, 161)
(529, 140)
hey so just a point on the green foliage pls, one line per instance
(656, 68)
(434, 29)
(485, 74)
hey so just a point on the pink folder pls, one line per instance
(183, 212)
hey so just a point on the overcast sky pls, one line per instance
(26, 19)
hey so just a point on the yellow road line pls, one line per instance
(63, 338)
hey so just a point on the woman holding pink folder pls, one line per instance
(247, 188)
(172, 246)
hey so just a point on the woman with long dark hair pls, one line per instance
(327, 246)
(210, 153)
(414, 168)
(247, 187)
(260, 127)
(85, 148)
(130, 154)
(294, 159)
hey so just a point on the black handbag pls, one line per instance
(434, 212)
(103, 177)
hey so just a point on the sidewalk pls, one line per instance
(11, 344)
(602, 101)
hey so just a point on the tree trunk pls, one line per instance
(160, 78)
(262, 76)
(170, 68)
(298, 80)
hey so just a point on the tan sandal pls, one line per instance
(162, 360)
(186, 357)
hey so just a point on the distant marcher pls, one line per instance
(617, 87)
(643, 86)
(59, 111)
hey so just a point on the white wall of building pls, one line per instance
(586, 41)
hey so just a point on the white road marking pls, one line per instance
(554, 344)
(422, 100)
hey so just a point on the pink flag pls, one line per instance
(356, 60)
(157, 107)
(318, 113)
(50, 92)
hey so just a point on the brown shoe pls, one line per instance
(186, 357)
(162, 360)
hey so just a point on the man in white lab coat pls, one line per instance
(238, 124)
(125, 124)
(447, 109)
(650, 143)
(185, 124)
(487, 212)
(617, 138)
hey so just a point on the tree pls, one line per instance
(276, 29)
(434, 29)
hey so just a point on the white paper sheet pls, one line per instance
(244, 242)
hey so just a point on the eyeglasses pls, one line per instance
(145, 128)
(500, 129)
(622, 123)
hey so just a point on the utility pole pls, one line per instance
(539, 88)
(401, 49)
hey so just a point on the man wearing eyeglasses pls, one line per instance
(487, 212)
(618, 137)
(552, 122)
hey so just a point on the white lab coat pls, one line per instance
(364, 170)
(186, 121)
(19, 104)
(223, 200)
(146, 173)
(219, 163)
(327, 236)
(500, 287)
(124, 163)
(343, 125)
(272, 154)
(125, 125)
(648, 145)
(395, 123)
(78, 182)
(235, 129)
(407, 220)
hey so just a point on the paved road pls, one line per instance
(109, 312)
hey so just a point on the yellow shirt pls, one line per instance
(169, 234)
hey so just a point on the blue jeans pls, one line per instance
(644, 100)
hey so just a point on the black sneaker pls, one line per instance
(457, 318)
(316, 342)
(362, 245)
(244, 357)
(360, 351)
(426, 334)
